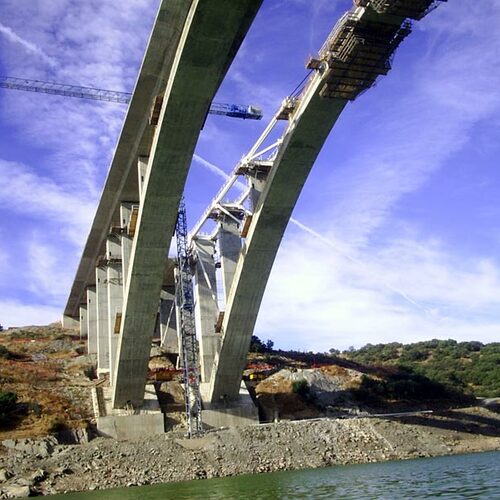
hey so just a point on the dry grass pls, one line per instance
(41, 373)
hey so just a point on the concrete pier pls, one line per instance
(202, 54)
(229, 240)
(115, 296)
(126, 240)
(206, 309)
(91, 320)
(102, 320)
(168, 322)
(83, 322)
(70, 322)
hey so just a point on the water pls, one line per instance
(460, 476)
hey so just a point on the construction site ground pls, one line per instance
(309, 406)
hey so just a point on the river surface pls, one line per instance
(460, 476)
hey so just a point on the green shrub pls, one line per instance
(7, 404)
(301, 387)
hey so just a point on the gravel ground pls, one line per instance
(45, 467)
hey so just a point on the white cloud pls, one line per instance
(330, 301)
(28, 46)
(15, 313)
(48, 273)
(349, 279)
(344, 289)
(44, 200)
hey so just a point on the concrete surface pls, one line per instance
(225, 413)
(168, 322)
(83, 322)
(211, 36)
(206, 310)
(302, 143)
(91, 320)
(131, 427)
(229, 241)
(114, 283)
(102, 320)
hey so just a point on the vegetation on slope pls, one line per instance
(43, 385)
(468, 367)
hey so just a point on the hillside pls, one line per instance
(44, 382)
(46, 378)
(469, 367)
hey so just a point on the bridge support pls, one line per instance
(126, 240)
(206, 308)
(115, 296)
(168, 322)
(83, 322)
(70, 323)
(202, 50)
(229, 240)
(102, 320)
(226, 413)
(91, 320)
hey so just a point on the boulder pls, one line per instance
(16, 491)
(5, 475)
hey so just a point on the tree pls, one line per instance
(269, 345)
(256, 345)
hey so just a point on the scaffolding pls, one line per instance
(189, 344)
(360, 48)
(412, 9)
(359, 54)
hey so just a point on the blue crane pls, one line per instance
(247, 112)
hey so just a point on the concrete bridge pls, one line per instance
(124, 284)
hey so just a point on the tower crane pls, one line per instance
(247, 112)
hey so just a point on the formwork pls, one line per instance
(411, 9)
(357, 53)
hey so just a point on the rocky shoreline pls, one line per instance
(44, 467)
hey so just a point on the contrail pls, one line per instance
(332, 245)
(221, 173)
(30, 47)
(218, 171)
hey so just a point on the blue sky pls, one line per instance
(399, 224)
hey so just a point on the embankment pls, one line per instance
(104, 463)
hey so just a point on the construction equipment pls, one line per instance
(189, 344)
(246, 112)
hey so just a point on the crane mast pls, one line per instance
(246, 112)
(189, 344)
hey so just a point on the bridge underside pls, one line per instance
(124, 287)
(357, 52)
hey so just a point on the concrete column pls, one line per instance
(102, 320)
(83, 322)
(229, 249)
(168, 321)
(114, 278)
(125, 211)
(257, 188)
(91, 320)
(142, 168)
(205, 305)
(70, 323)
